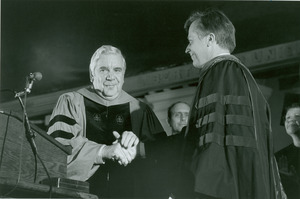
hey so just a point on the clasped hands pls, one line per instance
(123, 149)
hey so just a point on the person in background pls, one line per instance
(106, 128)
(228, 139)
(289, 157)
(292, 123)
(178, 114)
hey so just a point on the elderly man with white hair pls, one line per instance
(104, 126)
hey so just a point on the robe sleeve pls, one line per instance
(222, 130)
(223, 107)
(147, 127)
(67, 125)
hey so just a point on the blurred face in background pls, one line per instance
(179, 117)
(292, 121)
(108, 76)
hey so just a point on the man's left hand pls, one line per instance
(129, 139)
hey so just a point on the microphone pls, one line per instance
(36, 76)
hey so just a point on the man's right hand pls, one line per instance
(116, 152)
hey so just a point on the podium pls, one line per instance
(17, 161)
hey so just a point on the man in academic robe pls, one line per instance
(106, 128)
(228, 137)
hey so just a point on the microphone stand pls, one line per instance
(30, 137)
(28, 131)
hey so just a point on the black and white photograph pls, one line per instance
(150, 99)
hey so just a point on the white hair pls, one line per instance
(104, 50)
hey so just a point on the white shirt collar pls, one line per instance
(223, 54)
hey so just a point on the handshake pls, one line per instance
(123, 150)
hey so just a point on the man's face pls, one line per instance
(179, 117)
(197, 47)
(292, 120)
(109, 76)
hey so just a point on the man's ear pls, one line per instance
(168, 121)
(92, 78)
(211, 38)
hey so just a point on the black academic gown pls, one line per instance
(228, 139)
